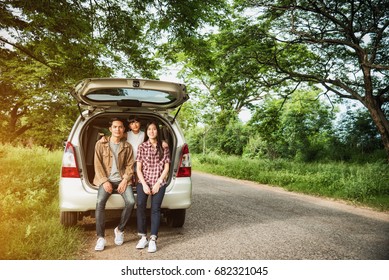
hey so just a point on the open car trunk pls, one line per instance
(98, 127)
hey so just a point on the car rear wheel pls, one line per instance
(69, 219)
(176, 218)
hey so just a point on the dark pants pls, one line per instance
(156, 201)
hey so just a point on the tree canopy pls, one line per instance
(47, 46)
(232, 54)
(344, 48)
(278, 46)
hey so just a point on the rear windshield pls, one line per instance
(141, 95)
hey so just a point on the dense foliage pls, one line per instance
(278, 47)
(269, 58)
(47, 46)
(302, 127)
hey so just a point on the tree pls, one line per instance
(29, 104)
(218, 64)
(298, 127)
(47, 46)
(357, 132)
(79, 38)
(340, 45)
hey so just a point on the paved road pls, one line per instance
(232, 219)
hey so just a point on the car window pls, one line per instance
(142, 95)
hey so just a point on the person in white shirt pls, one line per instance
(135, 136)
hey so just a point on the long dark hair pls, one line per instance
(159, 140)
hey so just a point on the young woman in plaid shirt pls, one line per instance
(152, 168)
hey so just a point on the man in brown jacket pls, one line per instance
(114, 167)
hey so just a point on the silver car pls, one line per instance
(99, 100)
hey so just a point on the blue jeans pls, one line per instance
(102, 198)
(156, 201)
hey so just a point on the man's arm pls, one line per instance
(100, 174)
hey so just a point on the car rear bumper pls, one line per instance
(75, 197)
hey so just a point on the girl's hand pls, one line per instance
(155, 188)
(146, 188)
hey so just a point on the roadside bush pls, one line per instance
(367, 183)
(29, 220)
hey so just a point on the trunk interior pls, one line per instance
(98, 127)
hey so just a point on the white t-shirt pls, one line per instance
(135, 140)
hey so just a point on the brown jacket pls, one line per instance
(104, 157)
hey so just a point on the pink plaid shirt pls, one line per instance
(152, 167)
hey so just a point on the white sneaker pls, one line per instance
(119, 237)
(142, 243)
(152, 246)
(100, 244)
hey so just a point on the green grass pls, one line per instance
(29, 220)
(363, 184)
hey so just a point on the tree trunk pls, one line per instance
(14, 130)
(380, 121)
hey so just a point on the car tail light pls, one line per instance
(185, 168)
(69, 163)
